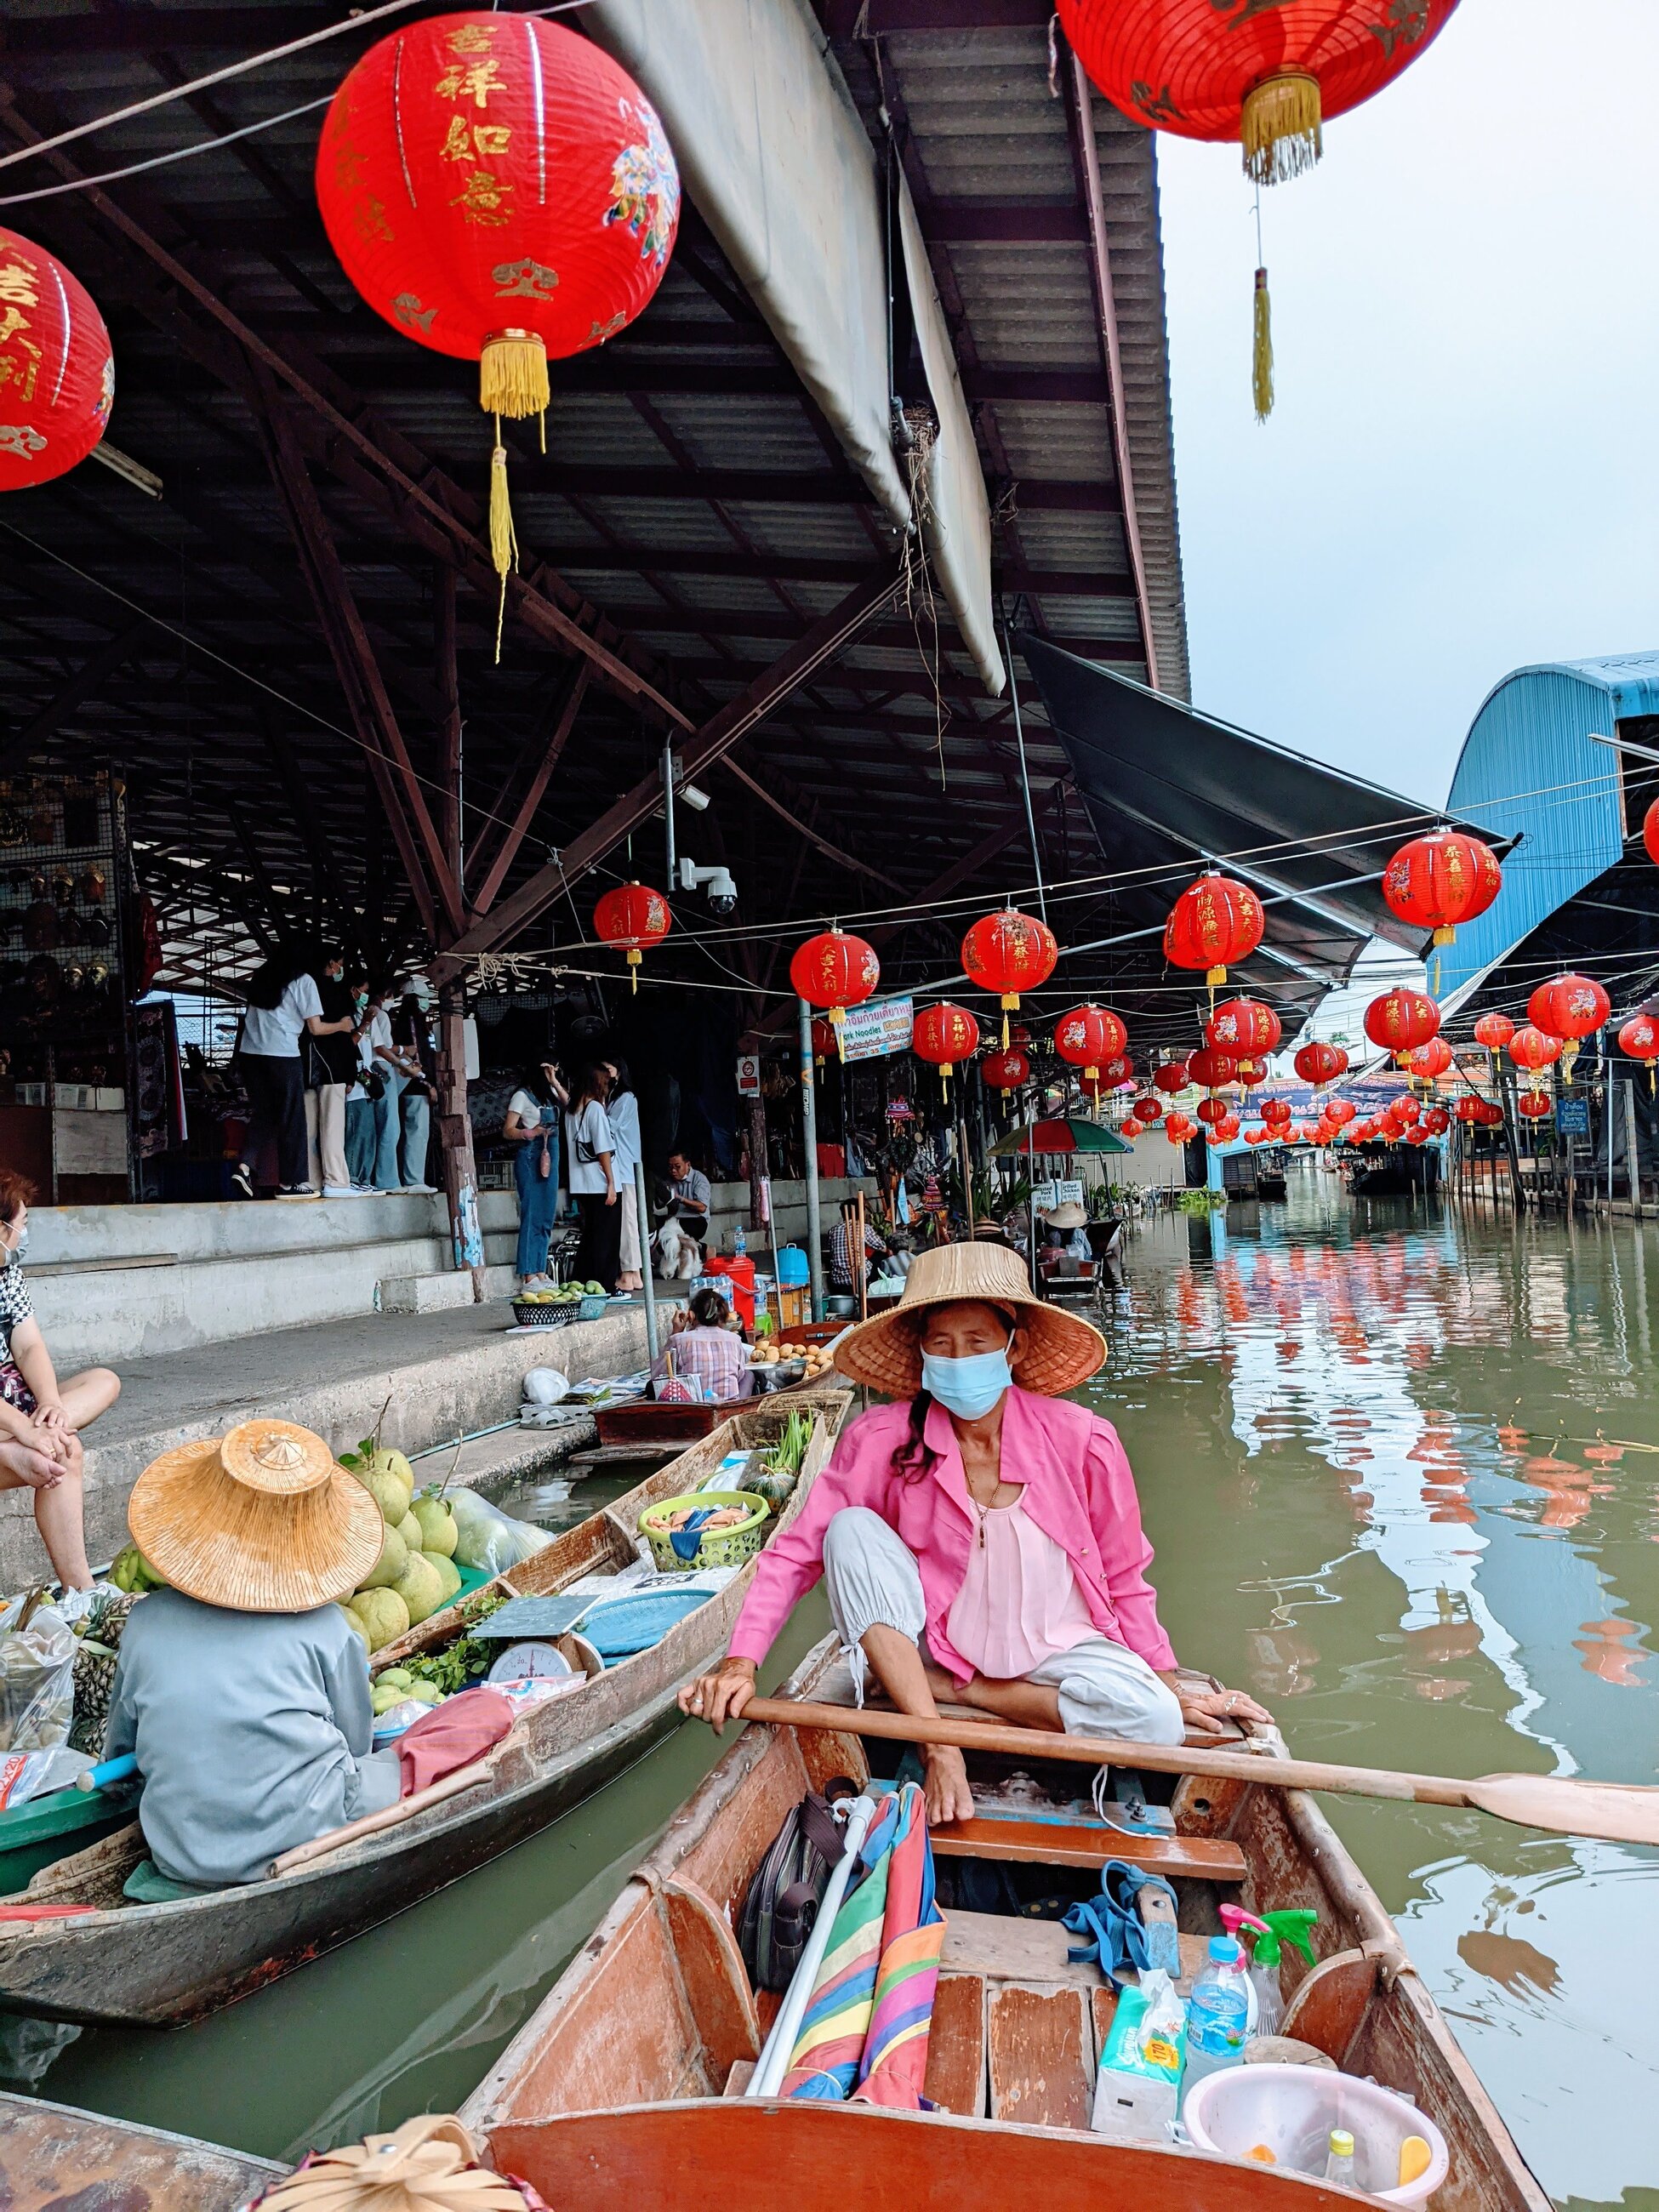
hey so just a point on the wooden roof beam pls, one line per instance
(73, 693)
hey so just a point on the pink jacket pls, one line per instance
(1078, 1490)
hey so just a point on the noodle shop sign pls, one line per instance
(1045, 1196)
(877, 1029)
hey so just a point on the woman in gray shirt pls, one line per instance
(242, 1689)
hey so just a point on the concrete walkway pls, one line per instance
(444, 1374)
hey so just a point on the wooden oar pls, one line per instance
(1613, 1813)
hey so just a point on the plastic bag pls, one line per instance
(26, 1774)
(545, 1386)
(37, 1679)
(488, 1540)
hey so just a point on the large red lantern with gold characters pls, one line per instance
(1171, 1077)
(1430, 1062)
(1276, 1112)
(1494, 1032)
(1243, 1026)
(1401, 1020)
(57, 373)
(1532, 1048)
(1264, 72)
(636, 916)
(1212, 1070)
(1009, 953)
(834, 970)
(1535, 1104)
(1089, 1036)
(1570, 1007)
(499, 190)
(1638, 1039)
(1320, 1063)
(1214, 925)
(1252, 1072)
(1440, 880)
(944, 1035)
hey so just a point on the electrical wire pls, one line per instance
(160, 160)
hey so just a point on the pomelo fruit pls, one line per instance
(393, 1462)
(394, 1557)
(428, 1692)
(447, 1572)
(438, 1530)
(421, 1588)
(387, 1493)
(358, 1625)
(383, 1614)
(409, 1530)
(394, 1678)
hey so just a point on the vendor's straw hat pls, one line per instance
(1061, 1351)
(1069, 1216)
(259, 1519)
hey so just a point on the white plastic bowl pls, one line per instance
(1292, 2110)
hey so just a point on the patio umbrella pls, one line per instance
(864, 2032)
(1063, 1137)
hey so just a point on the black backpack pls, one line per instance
(788, 1888)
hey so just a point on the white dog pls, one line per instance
(679, 1257)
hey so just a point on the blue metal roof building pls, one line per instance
(1575, 889)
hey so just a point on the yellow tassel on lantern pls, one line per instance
(1261, 366)
(634, 956)
(503, 541)
(513, 376)
(1280, 127)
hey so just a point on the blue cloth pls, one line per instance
(388, 1127)
(360, 1140)
(538, 1199)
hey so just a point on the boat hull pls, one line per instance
(57, 2156)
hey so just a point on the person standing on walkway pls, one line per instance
(532, 1127)
(623, 1107)
(591, 1174)
(411, 1032)
(386, 1060)
(282, 1005)
(359, 1106)
(331, 1065)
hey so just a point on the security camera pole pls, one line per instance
(809, 1124)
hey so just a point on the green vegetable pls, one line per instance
(788, 1454)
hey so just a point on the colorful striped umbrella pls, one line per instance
(865, 2031)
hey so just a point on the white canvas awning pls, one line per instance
(772, 151)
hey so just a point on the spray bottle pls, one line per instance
(1269, 1932)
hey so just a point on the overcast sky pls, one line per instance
(1460, 477)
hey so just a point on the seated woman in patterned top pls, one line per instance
(41, 1417)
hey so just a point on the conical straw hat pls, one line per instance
(1061, 1351)
(260, 1519)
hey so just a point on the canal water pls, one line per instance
(1400, 1464)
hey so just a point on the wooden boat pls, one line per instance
(54, 2156)
(623, 2091)
(164, 1965)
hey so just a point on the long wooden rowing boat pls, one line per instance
(165, 1965)
(54, 2156)
(623, 2092)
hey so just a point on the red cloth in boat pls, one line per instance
(451, 1735)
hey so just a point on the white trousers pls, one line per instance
(325, 1128)
(872, 1577)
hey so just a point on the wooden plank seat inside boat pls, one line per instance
(625, 2088)
(164, 1965)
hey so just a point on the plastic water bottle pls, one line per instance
(1339, 2161)
(740, 1243)
(1218, 2014)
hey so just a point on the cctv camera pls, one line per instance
(715, 883)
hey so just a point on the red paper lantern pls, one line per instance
(499, 190)
(834, 970)
(1535, 1104)
(1264, 72)
(1223, 1131)
(1252, 1072)
(1417, 1136)
(1569, 1006)
(1429, 1060)
(1494, 1030)
(57, 373)
(1210, 1069)
(1319, 1063)
(1276, 1112)
(1212, 1109)
(1534, 1048)
(1116, 1072)
(1401, 1020)
(1651, 831)
(1243, 1026)
(1177, 1129)
(636, 916)
(944, 1035)
(1638, 1037)
(1089, 1035)
(1007, 953)
(1442, 880)
(1404, 1111)
(1148, 1109)
(1214, 925)
(1172, 1076)
(1006, 1071)
(1491, 1116)
(1341, 1111)
(1468, 1108)
(823, 1039)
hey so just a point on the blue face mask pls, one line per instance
(967, 1388)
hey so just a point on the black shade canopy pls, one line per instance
(1167, 789)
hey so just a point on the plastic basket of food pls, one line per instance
(536, 1310)
(727, 1526)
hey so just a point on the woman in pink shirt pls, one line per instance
(981, 1541)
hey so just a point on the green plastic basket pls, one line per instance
(724, 1548)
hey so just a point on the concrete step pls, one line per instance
(435, 1375)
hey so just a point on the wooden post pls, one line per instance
(757, 1163)
(461, 1170)
(1635, 1156)
(809, 1131)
